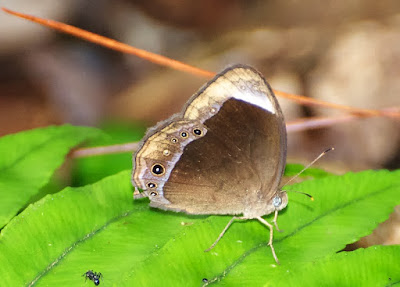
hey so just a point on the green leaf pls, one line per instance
(56, 240)
(28, 160)
(374, 266)
(91, 169)
(345, 209)
(100, 227)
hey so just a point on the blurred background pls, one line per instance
(345, 52)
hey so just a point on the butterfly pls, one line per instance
(224, 153)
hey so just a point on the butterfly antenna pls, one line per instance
(307, 166)
(309, 195)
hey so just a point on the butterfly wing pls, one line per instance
(224, 154)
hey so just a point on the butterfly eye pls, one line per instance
(277, 201)
(197, 132)
(151, 185)
(157, 169)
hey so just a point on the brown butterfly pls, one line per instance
(224, 153)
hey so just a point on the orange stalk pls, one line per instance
(177, 65)
(113, 44)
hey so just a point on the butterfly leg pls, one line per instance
(275, 221)
(271, 236)
(223, 232)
